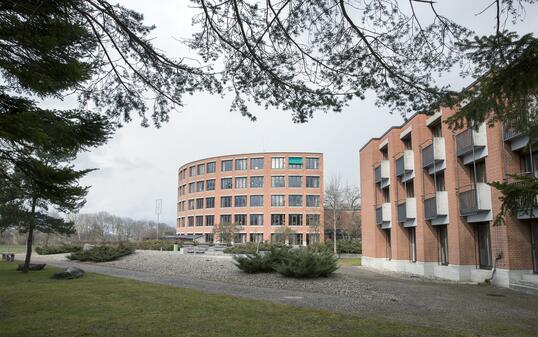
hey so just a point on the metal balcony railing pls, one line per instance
(427, 156)
(377, 174)
(379, 215)
(464, 142)
(402, 211)
(468, 201)
(430, 207)
(400, 166)
(510, 133)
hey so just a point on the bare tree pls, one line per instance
(352, 203)
(334, 195)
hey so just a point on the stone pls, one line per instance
(32, 266)
(87, 247)
(69, 273)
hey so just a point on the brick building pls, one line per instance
(262, 193)
(427, 208)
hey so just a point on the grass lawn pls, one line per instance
(17, 249)
(97, 305)
(350, 262)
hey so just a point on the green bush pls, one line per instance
(155, 245)
(254, 263)
(349, 247)
(47, 250)
(248, 248)
(102, 253)
(307, 263)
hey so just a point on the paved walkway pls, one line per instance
(482, 309)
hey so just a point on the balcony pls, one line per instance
(475, 199)
(527, 209)
(434, 154)
(382, 174)
(383, 215)
(405, 164)
(407, 210)
(471, 144)
(517, 139)
(436, 206)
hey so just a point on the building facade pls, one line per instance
(266, 197)
(427, 208)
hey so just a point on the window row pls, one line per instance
(254, 220)
(278, 200)
(255, 164)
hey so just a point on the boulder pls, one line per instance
(69, 273)
(32, 266)
(87, 247)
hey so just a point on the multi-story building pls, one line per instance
(427, 207)
(265, 195)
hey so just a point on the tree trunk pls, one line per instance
(29, 240)
(334, 230)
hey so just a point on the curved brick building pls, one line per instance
(275, 196)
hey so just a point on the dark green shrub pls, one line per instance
(47, 250)
(249, 248)
(254, 263)
(349, 247)
(102, 253)
(306, 263)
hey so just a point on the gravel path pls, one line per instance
(352, 290)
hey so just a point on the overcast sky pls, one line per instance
(140, 165)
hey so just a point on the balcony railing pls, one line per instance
(468, 202)
(402, 212)
(379, 215)
(430, 207)
(464, 142)
(510, 133)
(400, 166)
(377, 174)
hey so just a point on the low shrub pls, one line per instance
(349, 247)
(47, 250)
(248, 248)
(307, 263)
(254, 263)
(102, 253)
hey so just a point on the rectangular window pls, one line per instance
(191, 204)
(409, 189)
(209, 220)
(256, 200)
(295, 200)
(256, 219)
(256, 182)
(439, 182)
(192, 171)
(199, 203)
(210, 202)
(200, 186)
(295, 181)
(210, 184)
(437, 130)
(277, 162)
(408, 145)
(278, 219)
(256, 163)
(240, 164)
(312, 182)
(278, 200)
(312, 201)
(225, 201)
(443, 245)
(478, 172)
(191, 187)
(484, 245)
(312, 163)
(295, 220)
(313, 220)
(278, 181)
(295, 163)
(191, 221)
(412, 244)
(241, 182)
(199, 220)
(211, 166)
(240, 201)
(200, 169)
(240, 219)
(226, 183)
(226, 165)
(225, 219)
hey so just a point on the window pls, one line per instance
(226, 183)
(256, 182)
(210, 202)
(241, 182)
(199, 220)
(312, 163)
(412, 244)
(295, 163)
(278, 181)
(385, 152)
(200, 186)
(439, 181)
(277, 162)
(478, 172)
(484, 245)
(225, 201)
(256, 237)
(295, 200)
(295, 220)
(312, 182)
(278, 200)
(295, 181)
(201, 169)
(313, 220)
(240, 219)
(240, 201)
(240, 164)
(256, 163)
(192, 171)
(256, 219)
(191, 204)
(211, 166)
(443, 245)
(436, 130)
(191, 221)
(409, 189)
(256, 200)
(210, 184)
(386, 195)
(312, 201)
(407, 142)
(389, 243)
(199, 203)
(225, 219)
(278, 219)
(226, 165)
(209, 220)
(191, 187)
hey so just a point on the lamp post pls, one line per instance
(158, 211)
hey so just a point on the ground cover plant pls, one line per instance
(102, 253)
(58, 249)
